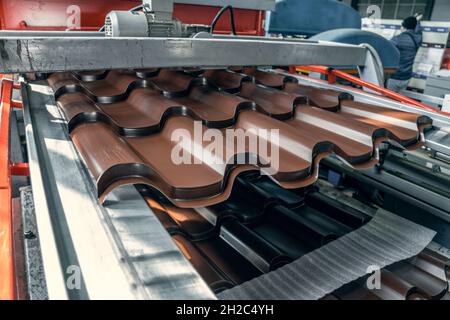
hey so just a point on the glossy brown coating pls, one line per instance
(268, 79)
(122, 125)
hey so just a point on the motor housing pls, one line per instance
(144, 24)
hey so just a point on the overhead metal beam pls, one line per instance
(50, 54)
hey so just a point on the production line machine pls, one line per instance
(97, 225)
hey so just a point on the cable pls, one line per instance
(139, 7)
(213, 24)
(219, 14)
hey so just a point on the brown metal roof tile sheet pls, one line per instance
(173, 83)
(114, 84)
(73, 104)
(146, 110)
(323, 98)
(147, 73)
(112, 87)
(90, 75)
(434, 264)
(404, 127)
(160, 213)
(193, 71)
(60, 80)
(117, 85)
(130, 139)
(275, 103)
(114, 161)
(188, 220)
(359, 293)
(354, 141)
(423, 277)
(186, 181)
(268, 79)
(216, 109)
(216, 281)
(428, 271)
(391, 288)
(130, 117)
(228, 260)
(299, 153)
(429, 285)
(225, 80)
(134, 112)
(394, 288)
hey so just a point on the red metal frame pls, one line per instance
(7, 288)
(446, 59)
(7, 169)
(333, 74)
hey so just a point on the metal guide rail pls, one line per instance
(119, 250)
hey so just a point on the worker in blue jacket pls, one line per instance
(408, 43)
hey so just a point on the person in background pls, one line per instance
(408, 43)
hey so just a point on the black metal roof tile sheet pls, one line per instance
(297, 231)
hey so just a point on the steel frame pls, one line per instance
(7, 169)
(7, 286)
(49, 54)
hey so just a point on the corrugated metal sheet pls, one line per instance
(122, 122)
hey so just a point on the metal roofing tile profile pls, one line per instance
(424, 277)
(149, 157)
(268, 79)
(122, 124)
(275, 103)
(116, 85)
(404, 127)
(131, 116)
(226, 80)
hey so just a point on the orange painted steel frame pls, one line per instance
(7, 279)
(7, 291)
(54, 15)
(332, 74)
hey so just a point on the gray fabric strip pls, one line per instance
(386, 239)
